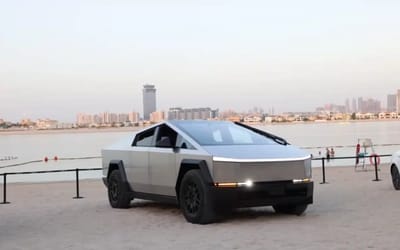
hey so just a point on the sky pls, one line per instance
(60, 58)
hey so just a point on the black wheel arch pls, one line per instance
(118, 165)
(189, 164)
(392, 168)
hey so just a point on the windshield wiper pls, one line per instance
(275, 138)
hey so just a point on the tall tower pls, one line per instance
(354, 106)
(391, 103)
(347, 108)
(149, 100)
(398, 101)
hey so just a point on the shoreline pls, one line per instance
(134, 129)
(67, 131)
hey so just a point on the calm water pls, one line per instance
(313, 137)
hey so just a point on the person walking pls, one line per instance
(328, 155)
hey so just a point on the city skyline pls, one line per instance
(62, 58)
(362, 105)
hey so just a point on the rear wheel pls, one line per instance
(195, 199)
(395, 178)
(297, 209)
(118, 194)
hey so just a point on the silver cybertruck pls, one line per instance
(207, 167)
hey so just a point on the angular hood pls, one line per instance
(257, 153)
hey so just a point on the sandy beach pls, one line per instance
(351, 212)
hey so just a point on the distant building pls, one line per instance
(252, 119)
(369, 106)
(236, 118)
(122, 118)
(388, 115)
(354, 106)
(157, 116)
(398, 101)
(391, 103)
(333, 108)
(192, 114)
(348, 105)
(133, 117)
(84, 119)
(46, 124)
(26, 123)
(360, 105)
(97, 119)
(373, 106)
(113, 118)
(149, 100)
(106, 118)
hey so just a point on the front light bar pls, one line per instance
(247, 183)
(298, 181)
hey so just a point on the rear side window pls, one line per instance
(145, 139)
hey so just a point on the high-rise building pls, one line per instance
(123, 118)
(372, 106)
(360, 105)
(391, 103)
(157, 116)
(369, 105)
(398, 101)
(347, 105)
(84, 119)
(133, 117)
(354, 106)
(192, 114)
(149, 100)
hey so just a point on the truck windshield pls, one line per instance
(222, 133)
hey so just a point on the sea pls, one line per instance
(314, 138)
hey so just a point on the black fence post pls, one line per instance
(5, 189)
(77, 184)
(376, 168)
(323, 172)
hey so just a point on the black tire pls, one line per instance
(118, 193)
(395, 178)
(195, 199)
(298, 209)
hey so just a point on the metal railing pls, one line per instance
(375, 158)
(76, 170)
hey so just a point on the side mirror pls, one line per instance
(176, 149)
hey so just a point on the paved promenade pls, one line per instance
(351, 212)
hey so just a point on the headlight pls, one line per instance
(247, 183)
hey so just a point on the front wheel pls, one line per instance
(298, 209)
(395, 178)
(195, 199)
(118, 194)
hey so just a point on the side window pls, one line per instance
(166, 137)
(145, 139)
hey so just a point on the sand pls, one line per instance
(351, 212)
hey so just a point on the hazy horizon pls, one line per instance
(59, 58)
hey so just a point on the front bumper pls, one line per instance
(264, 194)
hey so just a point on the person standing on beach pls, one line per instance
(332, 154)
(328, 155)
